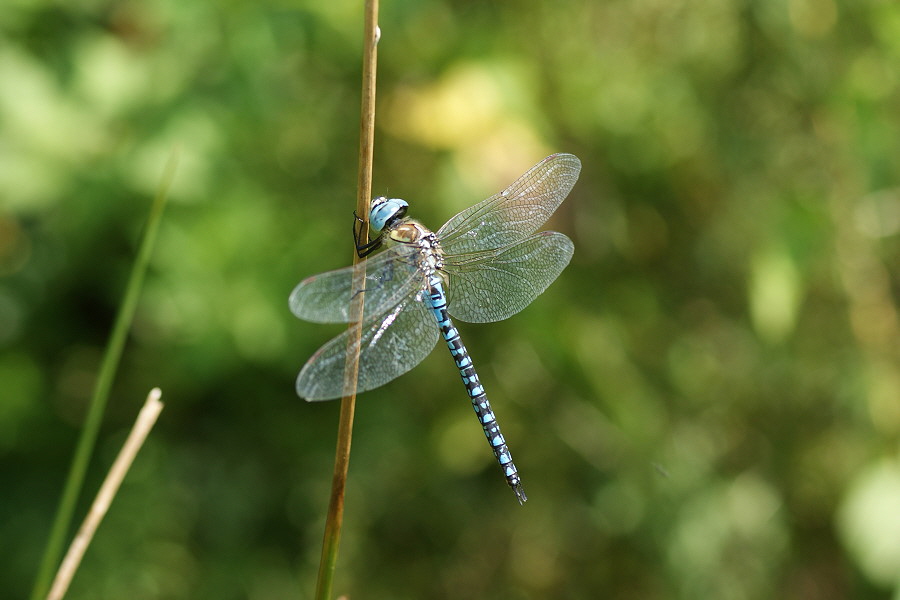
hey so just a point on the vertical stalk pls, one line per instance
(335, 517)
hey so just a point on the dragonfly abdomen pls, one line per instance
(480, 403)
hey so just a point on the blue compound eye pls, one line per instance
(385, 210)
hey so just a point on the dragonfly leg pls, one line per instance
(367, 248)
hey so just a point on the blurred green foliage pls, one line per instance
(705, 405)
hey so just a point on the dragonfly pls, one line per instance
(485, 264)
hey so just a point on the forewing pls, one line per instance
(325, 298)
(494, 286)
(391, 344)
(518, 211)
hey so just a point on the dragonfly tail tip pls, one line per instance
(520, 494)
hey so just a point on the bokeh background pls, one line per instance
(706, 404)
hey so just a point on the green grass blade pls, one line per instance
(111, 357)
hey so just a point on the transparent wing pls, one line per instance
(492, 286)
(325, 298)
(518, 211)
(391, 344)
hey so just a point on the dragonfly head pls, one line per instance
(385, 211)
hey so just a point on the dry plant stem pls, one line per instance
(145, 421)
(335, 517)
(108, 366)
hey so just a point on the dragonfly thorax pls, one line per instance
(411, 232)
(430, 257)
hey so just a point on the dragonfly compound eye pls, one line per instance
(385, 211)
